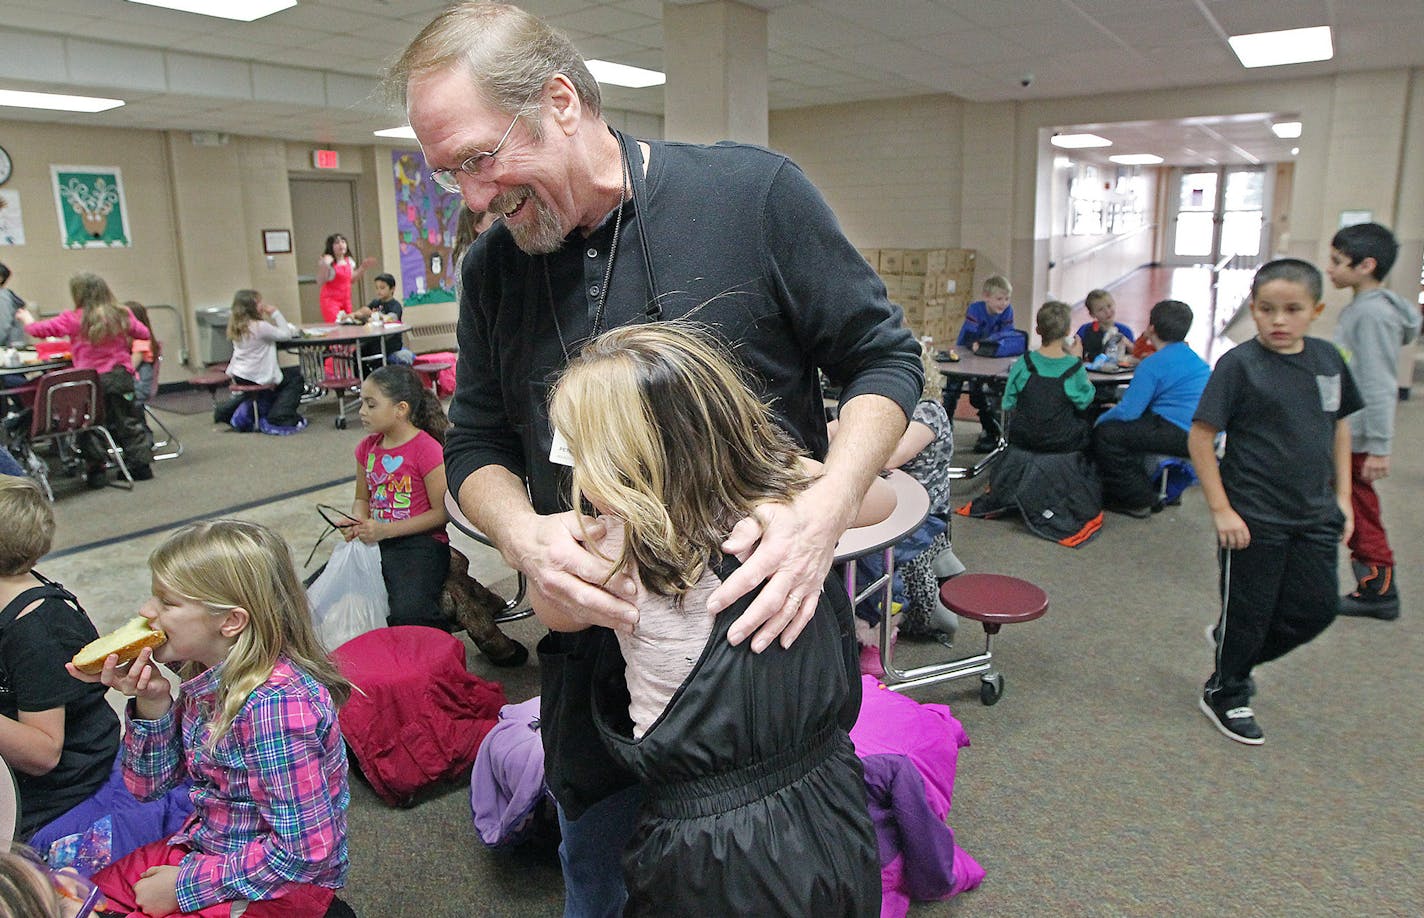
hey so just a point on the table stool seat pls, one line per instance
(994, 599)
(429, 371)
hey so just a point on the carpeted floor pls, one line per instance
(1095, 787)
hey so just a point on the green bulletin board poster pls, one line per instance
(90, 203)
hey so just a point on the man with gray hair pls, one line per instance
(601, 230)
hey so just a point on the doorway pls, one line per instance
(1218, 213)
(320, 207)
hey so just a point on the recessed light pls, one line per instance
(624, 75)
(1286, 130)
(1136, 159)
(405, 133)
(1292, 46)
(14, 98)
(1079, 141)
(241, 10)
(1295, 151)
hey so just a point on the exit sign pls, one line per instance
(326, 159)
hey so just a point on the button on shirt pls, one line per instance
(269, 799)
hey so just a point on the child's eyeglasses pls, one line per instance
(343, 520)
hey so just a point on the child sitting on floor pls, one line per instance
(254, 726)
(60, 736)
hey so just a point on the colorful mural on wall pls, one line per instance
(425, 220)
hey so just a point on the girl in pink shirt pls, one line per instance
(400, 493)
(100, 332)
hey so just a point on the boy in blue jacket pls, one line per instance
(1154, 415)
(988, 330)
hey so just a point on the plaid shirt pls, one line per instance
(269, 801)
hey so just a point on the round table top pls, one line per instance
(912, 505)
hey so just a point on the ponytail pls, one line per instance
(402, 384)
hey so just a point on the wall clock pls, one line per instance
(6, 166)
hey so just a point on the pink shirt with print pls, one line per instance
(395, 478)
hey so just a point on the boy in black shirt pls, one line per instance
(387, 305)
(1280, 498)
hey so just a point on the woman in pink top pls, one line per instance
(100, 332)
(336, 270)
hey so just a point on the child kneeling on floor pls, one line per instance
(254, 726)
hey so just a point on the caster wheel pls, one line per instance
(340, 423)
(991, 689)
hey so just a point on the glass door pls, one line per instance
(1218, 212)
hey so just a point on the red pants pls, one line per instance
(1368, 544)
(296, 900)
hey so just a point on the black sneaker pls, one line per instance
(142, 472)
(96, 479)
(1364, 604)
(986, 444)
(1237, 723)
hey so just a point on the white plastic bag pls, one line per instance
(349, 598)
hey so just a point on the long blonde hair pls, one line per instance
(244, 312)
(101, 316)
(225, 564)
(667, 436)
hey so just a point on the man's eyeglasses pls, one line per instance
(449, 179)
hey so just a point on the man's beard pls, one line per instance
(536, 234)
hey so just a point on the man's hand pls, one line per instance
(1374, 468)
(1231, 529)
(567, 578)
(790, 547)
(156, 892)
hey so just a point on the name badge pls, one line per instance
(559, 452)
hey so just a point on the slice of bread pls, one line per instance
(132, 637)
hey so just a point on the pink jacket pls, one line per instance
(102, 357)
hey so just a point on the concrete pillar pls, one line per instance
(714, 55)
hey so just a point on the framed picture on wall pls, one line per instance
(276, 241)
(91, 206)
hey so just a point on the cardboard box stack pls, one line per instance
(932, 286)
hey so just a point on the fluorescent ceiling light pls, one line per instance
(1292, 46)
(1135, 159)
(405, 133)
(241, 10)
(56, 103)
(1286, 130)
(1079, 141)
(623, 75)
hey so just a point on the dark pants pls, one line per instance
(985, 396)
(286, 397)
(123, 419)
(1278, 593)
(1119, 448)
(414, 568)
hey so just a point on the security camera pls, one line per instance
(1026, 80)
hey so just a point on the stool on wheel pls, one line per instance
(993, 600)
(252, 392)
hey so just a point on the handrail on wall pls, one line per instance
(1105, 244)
(182, 330)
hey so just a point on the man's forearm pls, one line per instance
(870, 426)
(497, 502)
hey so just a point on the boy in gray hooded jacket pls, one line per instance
(1371, 330)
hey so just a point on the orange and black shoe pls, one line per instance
(1375, 596)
